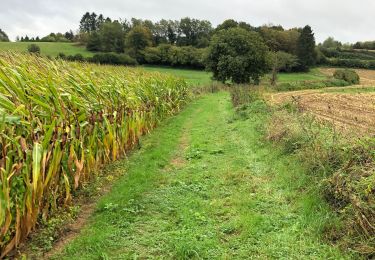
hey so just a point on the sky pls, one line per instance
(345, 20)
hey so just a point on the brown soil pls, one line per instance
(348, 111)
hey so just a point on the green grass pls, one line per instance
(314, 74)
(199, 78)
(47, 48)
(193, 77)
(351, 90)
(206, 185)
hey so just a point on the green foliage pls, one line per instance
(306, 49)
(330, 42)
(57, 37)
(237, 55)
(33, 48)
(3, 36)
(186, 56)
(194, 32)
(112, 37)
(278, 39)
(137, 40)
(94, 42)
(194, 78)
(347, 75)
(301, 85)
(113, 58)
(368, 45)
(343, 169)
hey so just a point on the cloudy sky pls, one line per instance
(346, 20)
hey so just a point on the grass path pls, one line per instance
(205, 186)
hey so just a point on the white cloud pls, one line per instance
(346, 20)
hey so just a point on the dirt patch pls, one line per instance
(346, 111)
(72, 229)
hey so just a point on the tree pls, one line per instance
(280, 61)
(227, 24)
(306, 49)
(3, 36)
(33, 48)
(237, 55)
(112, 37)
(137, 40)
(94, 43)
(330, 42)
(194, 32)
(69, 35)
(88, 23)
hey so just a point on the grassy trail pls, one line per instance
(205, 186)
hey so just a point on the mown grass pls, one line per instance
(206, 185)
(313, 75)
(47, 48)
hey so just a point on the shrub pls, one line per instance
(349, 76)
(33, 48)
(113, 58)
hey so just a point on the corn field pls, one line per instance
(60, 122)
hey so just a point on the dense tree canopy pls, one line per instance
(237, 55)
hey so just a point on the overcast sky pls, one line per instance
(346, 20)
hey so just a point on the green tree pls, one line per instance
(280, 61)
(3, 36)
(94, 43)
(237, 55)
(227, 24)
(138, 39)
(33, 48)
(306, 49)
(330, 42)
(112, 37)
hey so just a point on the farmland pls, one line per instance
(347, 108)
(60, 122)
(51, 49)
(179, 190)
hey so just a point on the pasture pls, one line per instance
(51, 49)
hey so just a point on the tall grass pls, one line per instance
(344, 168)
(59, 122)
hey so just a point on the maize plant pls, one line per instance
(59, 122)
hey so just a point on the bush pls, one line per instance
(33, 48)
(169, 55)
(349, 76)
(113, 58)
